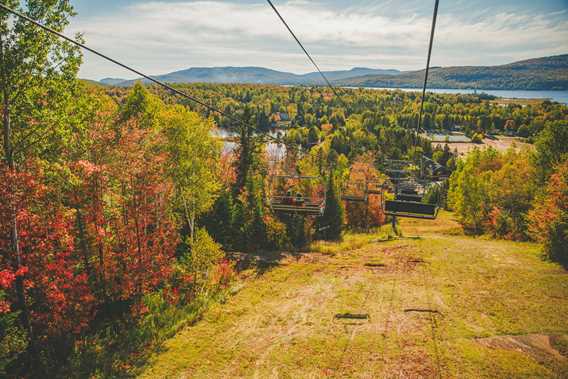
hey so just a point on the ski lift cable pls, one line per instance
(333, 89)
(112, 60)
(432, 31)
(125, 66)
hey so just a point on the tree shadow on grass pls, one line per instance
(262, 262)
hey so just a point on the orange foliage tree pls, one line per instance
(548, 221)
(363, 175)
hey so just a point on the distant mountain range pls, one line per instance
(252, 75)
(548, 73)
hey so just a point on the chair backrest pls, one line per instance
(410, 208)
(409, 197)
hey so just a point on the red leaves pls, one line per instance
(56, 294)
(6, 279)
(124, 200)
(223, 273)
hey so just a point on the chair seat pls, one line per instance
(410, 209)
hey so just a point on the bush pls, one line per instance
(203, 255)
(477, 138)
(276, 234)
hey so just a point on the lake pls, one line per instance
(558, 96)
(274, 150)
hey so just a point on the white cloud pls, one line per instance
(160, 37)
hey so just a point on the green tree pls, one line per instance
(330, 225)
(193, 162)
(204, 253)
(220, 222)
(551, 148)
(469, 189)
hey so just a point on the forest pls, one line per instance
(121, 208)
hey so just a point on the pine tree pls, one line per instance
(330, 225)
(220, 223)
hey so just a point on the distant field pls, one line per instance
(444, 305)
(502, 143)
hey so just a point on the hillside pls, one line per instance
(445, 305)
(550, 73)
(253, 75)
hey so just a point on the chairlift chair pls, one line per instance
(355, 191)
(294, 200)
(411, 209)
(408, 201)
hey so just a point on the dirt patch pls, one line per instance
(502, 143)
(538, 346)
(412, 362)
(403, 263)
(392, 250)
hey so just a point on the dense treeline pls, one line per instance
(517, 195)
(118, 205)
(311, 108)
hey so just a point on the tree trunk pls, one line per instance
(189, 219)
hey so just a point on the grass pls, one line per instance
(443, 305)
(351, 241)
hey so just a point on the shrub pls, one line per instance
(276, 234)
(477, 138)
(203, 255)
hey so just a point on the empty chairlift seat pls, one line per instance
(409, 197)
(411, 209)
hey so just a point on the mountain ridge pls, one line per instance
(252, 75)
(545, 73)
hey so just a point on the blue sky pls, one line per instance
(160, 36)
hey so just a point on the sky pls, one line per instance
(161, 36)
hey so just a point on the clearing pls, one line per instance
(501, 143)
(442, 305)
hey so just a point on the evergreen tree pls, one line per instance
(255, 228)
(220, 223)
(330, 225)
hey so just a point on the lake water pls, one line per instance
(558, 96)
(274, 150)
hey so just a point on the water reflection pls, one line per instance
(276, 151)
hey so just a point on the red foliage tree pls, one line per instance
(56, 288)
(128, 234)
